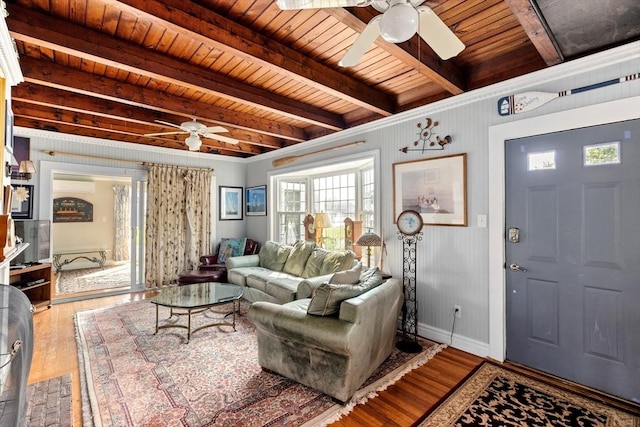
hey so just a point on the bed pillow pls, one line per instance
(230, 248)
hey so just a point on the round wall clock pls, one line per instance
(409, 222)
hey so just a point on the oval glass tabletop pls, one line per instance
(197, 295)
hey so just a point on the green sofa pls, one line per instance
(329, 343)
(282, 273)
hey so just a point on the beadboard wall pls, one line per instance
(453, 262)
(97, 157)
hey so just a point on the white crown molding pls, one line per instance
(495, 91)
(129, 146)
(8, 55)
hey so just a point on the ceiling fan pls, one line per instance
(195, 131)
(399, 21)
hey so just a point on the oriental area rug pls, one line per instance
(93, 279)
(133, 377)
(495, 396)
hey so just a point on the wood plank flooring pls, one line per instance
(402, 404)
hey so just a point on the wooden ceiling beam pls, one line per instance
(57, 117)
(51, 75)
(443, 73)
(222, 33)
(536, 30)
(56, 98)
(58, 35)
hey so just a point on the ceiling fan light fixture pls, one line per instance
(399, 23)
(193, 142)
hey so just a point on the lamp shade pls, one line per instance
(369, 239)
(27, 166)
(193, 142)
(323, 220)
(399, 23)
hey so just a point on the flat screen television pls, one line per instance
(38, 234)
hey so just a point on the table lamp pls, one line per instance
(322, 221)
(369, 239)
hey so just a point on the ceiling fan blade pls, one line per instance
(362, 43)
(437, 35)
(319, 4)
(164, 133)
(221, 138)
(162, 122)
(213, 129)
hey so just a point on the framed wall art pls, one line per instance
(22, 202)
(256, 201)
(230, 203)
(72, 209)
(435, 187)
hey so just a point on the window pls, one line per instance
(292, 207)
(343, 191)
(602, 154)
(541, 161)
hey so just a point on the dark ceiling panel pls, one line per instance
(582, 27)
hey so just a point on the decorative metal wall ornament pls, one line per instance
(427, 138)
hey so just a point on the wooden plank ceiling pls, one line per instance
(109, 69)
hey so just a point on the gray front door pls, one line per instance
(573, 255)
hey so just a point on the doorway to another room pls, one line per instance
(90, 233)
(97, 218)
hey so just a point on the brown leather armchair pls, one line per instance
(210, 270)
(210, 262)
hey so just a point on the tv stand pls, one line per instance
(35, 281)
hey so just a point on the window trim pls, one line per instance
(302, 170)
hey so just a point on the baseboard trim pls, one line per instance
(460, 342)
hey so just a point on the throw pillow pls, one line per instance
(337, 261)
(273, 255)
(230, 248)
(327, 297)
(314, 263)
(298, 257)
(347, 277)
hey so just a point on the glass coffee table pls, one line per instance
(197, 298)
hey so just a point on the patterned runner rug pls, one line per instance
(93, 279)
(135, 378)
(50, 403)
(494, 396)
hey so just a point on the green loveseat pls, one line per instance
(282, 273)
(329, 343)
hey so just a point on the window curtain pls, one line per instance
(121, 222)
(178, 221)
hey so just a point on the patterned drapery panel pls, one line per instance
(121, 223)
(178, 221)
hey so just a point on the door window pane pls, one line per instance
(602, 154)
(541, 161)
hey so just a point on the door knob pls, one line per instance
(515, 267)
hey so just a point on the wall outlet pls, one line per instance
(457, 309)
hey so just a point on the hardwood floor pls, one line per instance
(402, 404)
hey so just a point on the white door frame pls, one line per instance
(609, 112)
